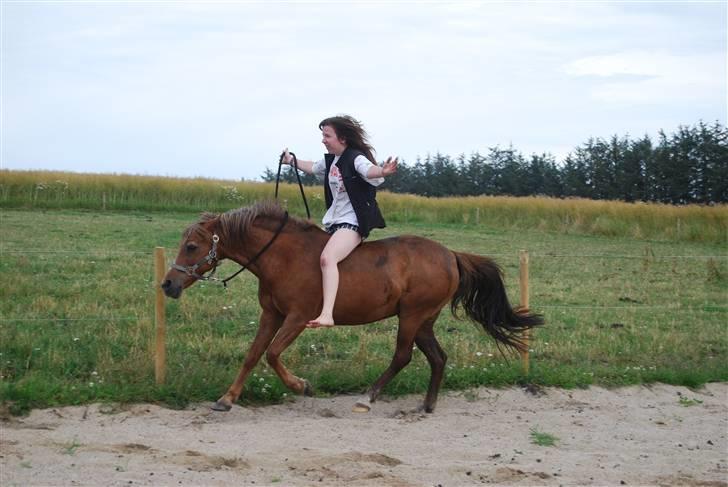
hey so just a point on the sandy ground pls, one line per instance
(633, 436)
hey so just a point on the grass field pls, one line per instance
(76, 314)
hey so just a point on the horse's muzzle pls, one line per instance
(171, 289)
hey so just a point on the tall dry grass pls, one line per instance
(573, 215)
(648, 221)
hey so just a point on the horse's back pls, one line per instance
(399, 271)
(405, 251)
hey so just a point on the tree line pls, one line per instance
(688, 166)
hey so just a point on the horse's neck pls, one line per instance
(291, 246)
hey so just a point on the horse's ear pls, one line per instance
(209, 221)
(206, 216)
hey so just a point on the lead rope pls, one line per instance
(298, 177)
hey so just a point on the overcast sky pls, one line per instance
(217, 89)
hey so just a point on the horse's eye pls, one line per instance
(190, 247)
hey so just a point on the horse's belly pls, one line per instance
(363, 300)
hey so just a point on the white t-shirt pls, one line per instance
(341, 210)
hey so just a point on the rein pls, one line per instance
(211, 259)
(298, 177)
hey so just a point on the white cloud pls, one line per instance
(629, 63)
(652, 77)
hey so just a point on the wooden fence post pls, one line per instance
(523, 280)
(160, 353)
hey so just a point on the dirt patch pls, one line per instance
(657, 435)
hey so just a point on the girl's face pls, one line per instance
(333, 144)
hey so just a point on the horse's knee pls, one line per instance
(401, 359)
(440, 360)
(271, 357)
(438, 363)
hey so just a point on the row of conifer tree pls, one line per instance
(687, 166)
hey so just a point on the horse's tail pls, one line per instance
(482, 294)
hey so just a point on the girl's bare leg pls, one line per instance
(339, 246)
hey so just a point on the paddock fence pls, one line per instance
(154, 322)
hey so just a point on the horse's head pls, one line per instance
(198, 254)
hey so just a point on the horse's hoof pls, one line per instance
(427, 408)
(221, 405)
(307, 389)
(363, 405)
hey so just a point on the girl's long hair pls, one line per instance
(353, 133)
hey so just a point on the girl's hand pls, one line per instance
(390, 166)
(287, 157)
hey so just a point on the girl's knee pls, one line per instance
(327, 261)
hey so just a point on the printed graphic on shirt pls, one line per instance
(335, 175)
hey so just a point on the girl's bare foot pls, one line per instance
(321, 322)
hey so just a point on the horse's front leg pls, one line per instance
(292, 327)
(270, 323)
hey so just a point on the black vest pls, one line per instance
(363, 196)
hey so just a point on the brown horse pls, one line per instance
(407, 276)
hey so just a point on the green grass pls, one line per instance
(71, 447)
(542, 439)
(687, 402)
(77, 308)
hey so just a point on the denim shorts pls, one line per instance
(330, 229)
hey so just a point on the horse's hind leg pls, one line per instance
(270, 322)
(427, 343)
(292, 327)
(402, 356)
